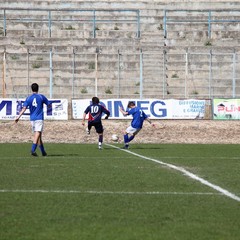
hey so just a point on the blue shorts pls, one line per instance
(98, 126)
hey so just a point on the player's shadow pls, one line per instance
(62, 155)
(138, 147)
(134, 147)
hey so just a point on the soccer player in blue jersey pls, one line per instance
(137, 122)
(94, 112)
(35, 104)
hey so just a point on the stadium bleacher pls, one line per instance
(123, 49)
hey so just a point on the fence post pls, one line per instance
(234, 75)
(165, 23)
(119, 54)
(4, 75)
(96, 72)
(138, 24)
(73, 73)
(141, 74)
(186, 73)
(49, 24)
(210, 74)
(94, 24)
(209, 24)
(28, 80)
(4, 23)
(50, 73)
(164, 72)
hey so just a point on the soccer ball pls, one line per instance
(115, 137)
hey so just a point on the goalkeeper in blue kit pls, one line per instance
(35, 104)
(94, 112)
(137, 122)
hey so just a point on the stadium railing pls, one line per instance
(54, 17)
(186, 74)
(203, 17)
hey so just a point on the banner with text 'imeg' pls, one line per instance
(154, 108)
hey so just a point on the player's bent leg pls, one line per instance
(133, 135)
(99, 129)
(131, 138)
(100, 140)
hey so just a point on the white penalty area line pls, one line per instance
(185, 172)
(104, 192)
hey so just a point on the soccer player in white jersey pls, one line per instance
(137, 122)
(35, 104)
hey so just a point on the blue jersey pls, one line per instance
(35, 104)
(138, 117)
(95, 112)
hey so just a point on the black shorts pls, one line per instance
(98, 126)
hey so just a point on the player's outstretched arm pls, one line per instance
(84, 117)
(20, 114)
(148, 119)
(123, 112)
(107, 116)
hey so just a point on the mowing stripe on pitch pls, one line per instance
(104, 192)
(185, 172)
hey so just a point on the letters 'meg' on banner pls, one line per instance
(10, 108)
(226, 109)
(154, 108)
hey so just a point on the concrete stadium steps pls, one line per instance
(186, 28)
(84, 73)
(227, 42)
(196, 81)
(160, 78)
(157, 4)
(32, 41)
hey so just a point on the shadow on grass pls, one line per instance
(62, 155)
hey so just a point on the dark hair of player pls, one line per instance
(34, 87)
(131, 104)
(95, 100)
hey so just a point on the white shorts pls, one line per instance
(132, 130)
(37, 126)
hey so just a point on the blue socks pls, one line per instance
(42, 148)
(128, 139)
(131, 138)
(34, 147)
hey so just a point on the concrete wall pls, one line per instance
(165, 72)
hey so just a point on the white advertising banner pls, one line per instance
(10, 108)
(154, 108)
(226, 109)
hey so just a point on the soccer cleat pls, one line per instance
(126, 147)
(44, 154)
(34, 154)
(99, 147)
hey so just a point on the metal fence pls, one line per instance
(164, 73)
(113, 75)
(50, 21)
(209, 18)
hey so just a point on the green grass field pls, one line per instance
(79, 192)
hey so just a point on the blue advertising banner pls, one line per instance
(10, 108)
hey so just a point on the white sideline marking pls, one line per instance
(187, 173)
(104, 192)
